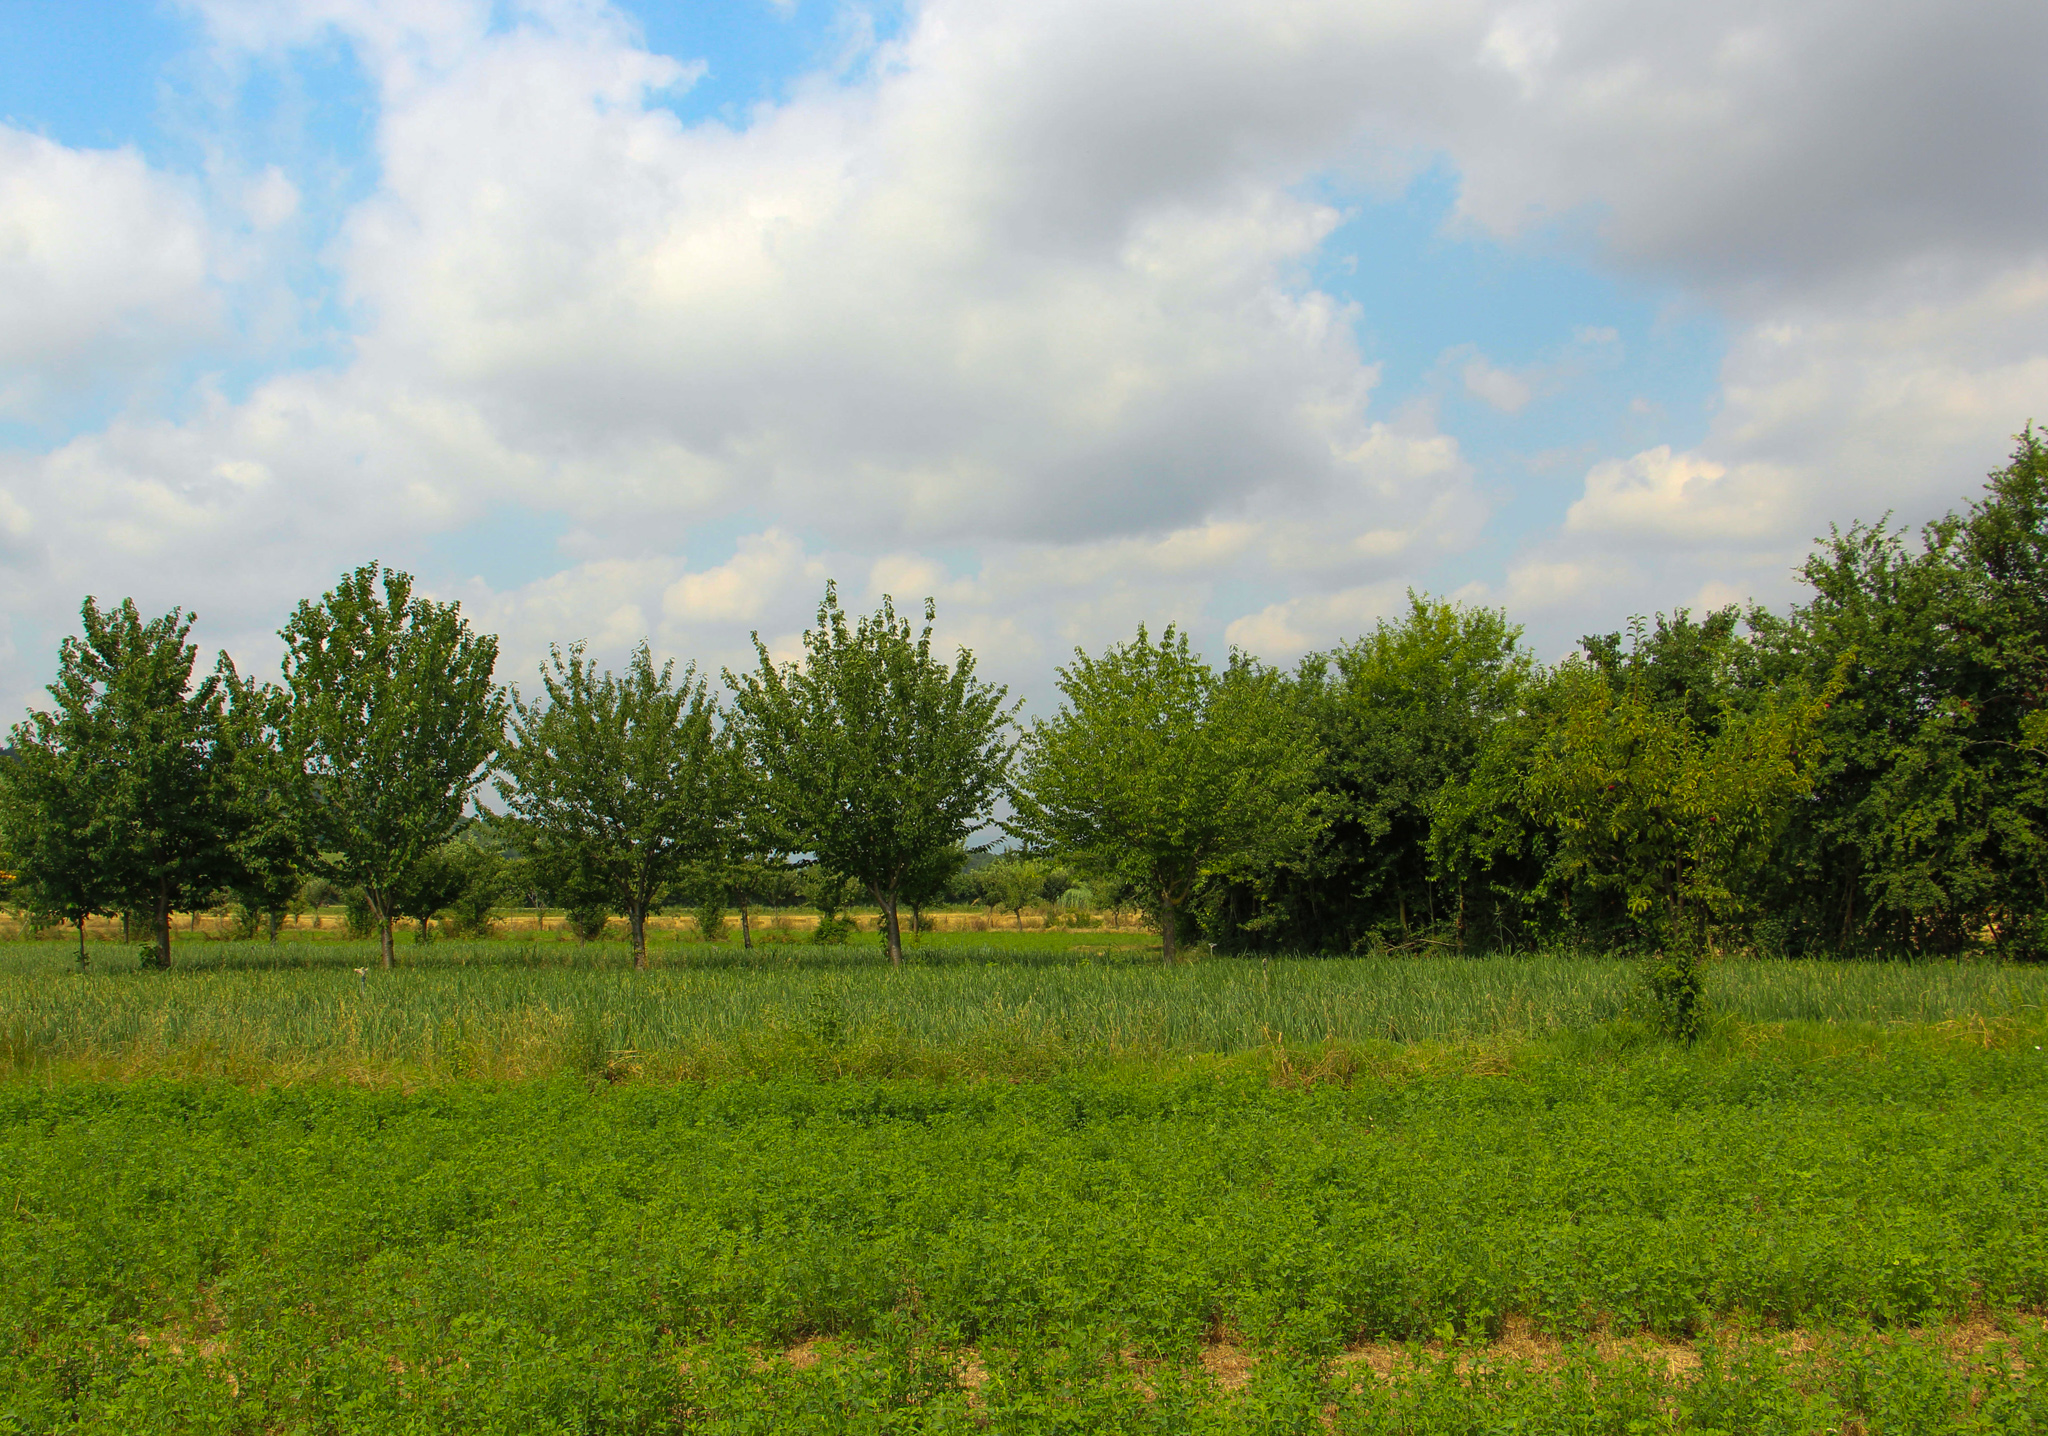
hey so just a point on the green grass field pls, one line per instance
(1040, 1184)
(1029, 1006)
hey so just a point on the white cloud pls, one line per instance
(1030, 294)
(1507, 392)
(104, 265)
(1284, 631)
(740, 589)
(1682, 497)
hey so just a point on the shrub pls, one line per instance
(588, 922)
(474, 913)
(710, 915)
(356, 915)
(1675, 981)
(835, 930)
(248, 920)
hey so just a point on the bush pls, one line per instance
(356, 915)
(710, 915)
(588, 922)
(474, 913)
(248, 920)
(1675, 981)
(835, 930)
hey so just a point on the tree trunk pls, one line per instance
(275, 923)
(746, 929)
(163, 928)
(893, 934)
(384, 940)
(1020, 919)
(423, 928)
(1169, 936)
(636, 923)
(84, 962)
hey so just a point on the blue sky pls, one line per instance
(642, 319)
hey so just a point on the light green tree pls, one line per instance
(1167, 772)
(1012, 884)
(394, 722)
(1671, 819)
(873, 753)
(620, 780)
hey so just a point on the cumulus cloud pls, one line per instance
(1028, 291)
(104, 265)
(1683, 497)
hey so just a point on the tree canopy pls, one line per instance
(619, 779)
(1159, 767)
(874, 753)
(395, 722)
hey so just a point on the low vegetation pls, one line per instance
(1179, 1222)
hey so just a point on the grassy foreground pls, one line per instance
(1016, 1191)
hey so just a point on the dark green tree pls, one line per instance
(1926, 831)
(431, 886)
(269, 845)
(874, 754)
(927, 882)
(618, 782)
(54, 854)
(148, 749)
(1399, 715)
(395, 721)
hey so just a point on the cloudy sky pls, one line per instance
(646, 318)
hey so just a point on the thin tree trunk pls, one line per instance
(889, 927)
(163, 928)
(636, 923)
(275, 923)
(1169, 934)
(384, 938)
(84, 962)
(1020, 919)
(746, 929)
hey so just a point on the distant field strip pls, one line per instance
(500, 1009)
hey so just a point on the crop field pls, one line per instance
(1013, 1004)
(1035, 1185)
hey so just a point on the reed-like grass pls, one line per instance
(1048, 1002)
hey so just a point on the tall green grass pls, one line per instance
(506, 1010)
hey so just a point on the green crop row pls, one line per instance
(317, 1246)
(522, 1381)
(501, 1010)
